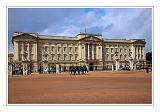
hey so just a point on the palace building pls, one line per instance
(35, 53)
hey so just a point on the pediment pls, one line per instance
(25, 36)
(139, 42)
(91, 38)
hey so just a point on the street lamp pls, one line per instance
(131, 60)
(116, 59)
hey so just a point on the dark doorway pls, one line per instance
(91, 65)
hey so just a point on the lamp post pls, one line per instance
(131, 60)
(117, 59)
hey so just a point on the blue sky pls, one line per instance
(128, 23)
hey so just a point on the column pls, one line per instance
(28, 52)
(22, 50)
(16, 51)
(80, 52)
(131, 64)
(112, 67)
(144, 56)
(10, 69)
(88, 51)
(92, 51)
(117, 65)
(36, 51)
(100, 52)
(137, 52)
(95, 51)
(97, 56)
(57, 68)
(25, 69)
(133, 51)
(135, 66)
(140, 52)
(84, 51)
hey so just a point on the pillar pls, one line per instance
(10, 69)
(84, 52)
(140, 52)
(131, 64)
(28, 52)
(135, 66)
(92, 51)
(57, 68)
(35, 68)
(97, 56)
(112, 67)
(100, 52)
(117, 65)
(88, 51)
(80, 52)
(22, 50)
(36, 51)
(25, 69)
(16, 51)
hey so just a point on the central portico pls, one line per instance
(91, 49)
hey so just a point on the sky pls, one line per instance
(117, 23)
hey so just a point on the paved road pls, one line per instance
(125, 87)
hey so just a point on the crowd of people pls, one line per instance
(77, 70)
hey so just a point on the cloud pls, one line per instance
(110, 22)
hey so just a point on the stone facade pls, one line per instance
(43, 53)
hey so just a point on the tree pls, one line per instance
(149, 57)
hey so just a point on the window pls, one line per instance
(141, 49)
(11, 59)
(129, 50)
(116, 49)
(130, 54)
(141, 56)
(125, 50)
(70, 56)
(70, 49)
(112, 50)
(65, 49)
(112, 56)
(46, 48)
(25, 47)
(107, 50)
(76, 49)
(120, 49)
(125, 56)
(20, 57)
(107, 57)
(59, 56)
(20, 47)
(32, 56)
(52, 49)
(138, 56)
(25, 56)
(121, 57)
(76, 57)
(52, 56)
(59, 48)
(45, 57)
(65, 56)
(138, 49)
(135, 56)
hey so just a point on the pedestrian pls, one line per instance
(147, 70)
